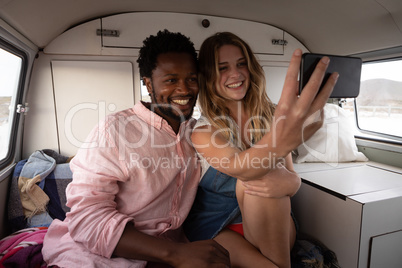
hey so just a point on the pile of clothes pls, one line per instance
(37, 196)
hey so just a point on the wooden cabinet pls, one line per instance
(355, 209)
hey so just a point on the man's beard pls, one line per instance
(168, 110)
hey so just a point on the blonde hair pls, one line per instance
(259, 106)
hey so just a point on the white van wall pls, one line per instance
(74, 93)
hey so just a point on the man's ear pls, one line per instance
(148, 83)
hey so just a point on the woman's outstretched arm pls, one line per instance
(296, 119)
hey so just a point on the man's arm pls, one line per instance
(134, 244)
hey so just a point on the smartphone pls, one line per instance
(349, 69)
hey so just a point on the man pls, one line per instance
(131, 193)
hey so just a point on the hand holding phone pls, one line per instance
(298, 117)
(349, 69)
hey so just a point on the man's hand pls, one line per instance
(137, 245)
(206, 253)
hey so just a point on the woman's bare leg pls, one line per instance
(242, 253)
(268, 225)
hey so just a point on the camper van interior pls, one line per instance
(66, 65)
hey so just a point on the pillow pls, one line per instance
(333, 142)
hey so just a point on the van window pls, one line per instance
(144, 93)
(10, 72)
(379, 104)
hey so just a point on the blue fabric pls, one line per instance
(55, 175)
(55, 188)
(40, 220)
(215, 206)
(40, 164)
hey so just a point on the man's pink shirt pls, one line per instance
(132, 168)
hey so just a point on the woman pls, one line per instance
(235, 139)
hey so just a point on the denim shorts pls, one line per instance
(215, 206)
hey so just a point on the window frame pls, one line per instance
(12, 139)
(370, 134)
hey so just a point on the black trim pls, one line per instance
(380, 53)
(338, 195)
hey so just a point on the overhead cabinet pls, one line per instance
(133, 28)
